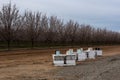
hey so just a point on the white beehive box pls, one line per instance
(71, 59)
(99, 52)
(70, 51)
(91, 54)
(64, 60)
(79, 51)
(90, 49)
(82, 56)
(58, 60)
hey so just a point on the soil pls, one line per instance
(37, 65)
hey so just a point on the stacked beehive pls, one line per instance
(71, 57)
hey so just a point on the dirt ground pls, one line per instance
(37, 65)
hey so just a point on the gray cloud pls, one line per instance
(101, 13)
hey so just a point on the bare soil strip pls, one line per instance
(37, 65)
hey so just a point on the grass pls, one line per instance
(26, 44)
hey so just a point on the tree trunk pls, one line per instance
(8, 44)
(32, 44)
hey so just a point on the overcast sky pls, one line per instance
(99, 13)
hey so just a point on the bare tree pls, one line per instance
(44, 29)
(19, 31)
(71, 31)
(32, 23)
(60, 30)
(34, 27)
(53, 32)
(9, 15)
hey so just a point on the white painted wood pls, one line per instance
(91, 54)
(60, 60)
(71, 59)
(99, 52)
(82, 56)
